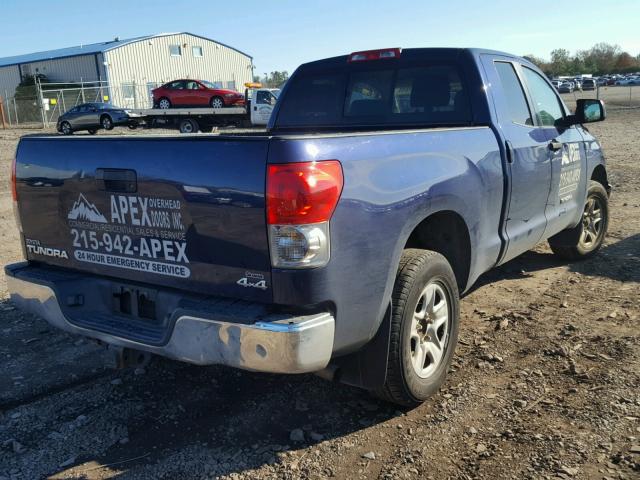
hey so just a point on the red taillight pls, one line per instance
(303, 193)
(14, 191)
(367, 55)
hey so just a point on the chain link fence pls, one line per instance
(614, 96)
(47, 102)
(50, 100)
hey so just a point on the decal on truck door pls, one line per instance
(569, 172)
(139, 233)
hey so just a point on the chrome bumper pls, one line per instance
(288, 345)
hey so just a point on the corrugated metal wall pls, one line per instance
(9, 80)
(71, 69)
(148, 63)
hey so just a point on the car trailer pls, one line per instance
(193, 120)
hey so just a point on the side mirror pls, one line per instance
(589, 110)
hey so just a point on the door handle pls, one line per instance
(117, 180)
(554, 146)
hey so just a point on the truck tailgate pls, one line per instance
(185, 212)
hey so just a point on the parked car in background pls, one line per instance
(588, 84)
(94, 116)
(195, 93)
(577, 84)
(566, 87)
(556, 83)
(629, 81)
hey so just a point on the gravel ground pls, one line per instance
(545, 384)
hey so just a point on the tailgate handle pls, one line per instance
(117, 180)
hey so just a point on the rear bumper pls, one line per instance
(269, 343)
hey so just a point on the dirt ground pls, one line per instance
(545, 383)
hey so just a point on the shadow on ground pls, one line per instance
(617, 261)
(237, 421)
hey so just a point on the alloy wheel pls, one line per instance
(429, 330)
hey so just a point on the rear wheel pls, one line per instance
(106, 122)
(188, 126)
(216, 102)
(424, 328)
(164, 103)
(65, 128)
(590, 232)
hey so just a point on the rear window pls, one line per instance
(424, 95)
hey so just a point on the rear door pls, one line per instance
(528, 159)
(186, 213)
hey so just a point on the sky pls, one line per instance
(280, 35)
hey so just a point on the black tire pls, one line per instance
(132, 125)
(216, 102)
(106, 122)
(188, 126)
(65, 128)
(584, 243)
(164, 103)
(417, 270)
(92, 131)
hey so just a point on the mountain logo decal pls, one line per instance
(84, 210)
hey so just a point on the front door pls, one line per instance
(528, 161)
(262, 106)
(566, 153)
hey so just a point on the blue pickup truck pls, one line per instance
(336, 242)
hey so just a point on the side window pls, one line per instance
(175, 50)
(191, 85)
(262, 98)
(179, 85)
(516, 100)
(544, 98)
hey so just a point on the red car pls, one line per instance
(194, 93)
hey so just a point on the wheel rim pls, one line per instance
(164, 104)
(187, 127)
(106, 123)
(216, 103)
(591, 223)
(66, 128)
(429, 330)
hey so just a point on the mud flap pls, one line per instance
(367, 368)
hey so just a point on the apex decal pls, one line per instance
(83, 209)
(138, 233)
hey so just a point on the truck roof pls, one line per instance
(417, 53)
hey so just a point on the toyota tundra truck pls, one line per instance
(336, 242)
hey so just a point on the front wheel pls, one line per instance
(588, 236)
(424, 328)
(216, 102)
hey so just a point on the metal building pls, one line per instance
(130, 68)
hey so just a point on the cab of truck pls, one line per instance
(260, 102)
